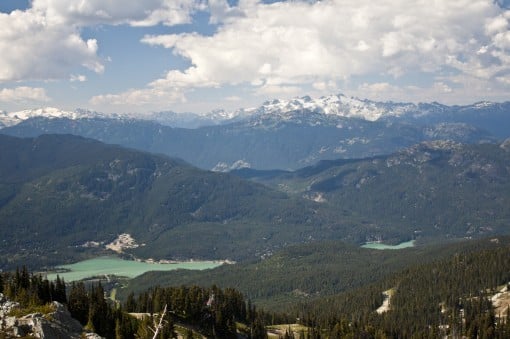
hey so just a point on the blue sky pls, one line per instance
(199, 55)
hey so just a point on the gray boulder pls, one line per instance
(55, 325)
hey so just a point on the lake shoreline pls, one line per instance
(121, 266)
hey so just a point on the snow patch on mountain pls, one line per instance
(333, 105)
(224, 167)
(167, 118)
(326, 110)
(13, 118)
(505, 145)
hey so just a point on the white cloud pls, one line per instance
(44, 42)
(447, 92)
(233, 98)
(148, 98)
(77, 77)
(278, 91)
(325, 87)
(34, 48)
(285, 46)
(115, 12)
(442, 87)
(23, 94)
(221, 11)
(382, 91)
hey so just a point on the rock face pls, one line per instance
(506, 145)
(6, 306)
(55, 325)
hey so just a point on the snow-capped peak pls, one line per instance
(332, 105)
(304, 109)
(14, 118)
(483, 104)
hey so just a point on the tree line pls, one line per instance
(449, 297)
(213, 312)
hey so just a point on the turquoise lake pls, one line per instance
(104, 266)
(379, 246)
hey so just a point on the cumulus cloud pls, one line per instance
(147, 98)
(233, 98)
(114, 12)
(221, 11)
(34, 48)
(78, 78)
(44, 42)
(452, 93)
(23, 94)
(280, 47)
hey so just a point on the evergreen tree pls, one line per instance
(130, 303)
(78, 304)
(258, 330)
(60, 291)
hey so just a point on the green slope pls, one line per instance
(306, 272)
(59, 192)
(448, 297)
(434, 189)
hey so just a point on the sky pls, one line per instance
(200, 55)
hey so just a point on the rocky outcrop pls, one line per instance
(53, 325)
(505, 145)
(6, 306)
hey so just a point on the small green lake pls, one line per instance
(380, 246)
(105, 266)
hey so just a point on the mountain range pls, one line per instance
(337, 105)
(309, 181)
(279, 134)
(432, 188)
(85, 192)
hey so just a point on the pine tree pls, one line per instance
(60, 291)
(78, 304)
(130, 303)
(258, 330)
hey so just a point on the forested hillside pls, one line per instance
(432, 189)
(84, 192)
(449, 297)
(309, 271)
(61, 193)
(453, 296)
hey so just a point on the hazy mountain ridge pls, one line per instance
(280, 134)
(265, 144)
(436, 187)
(337, 105)
(13, 118)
